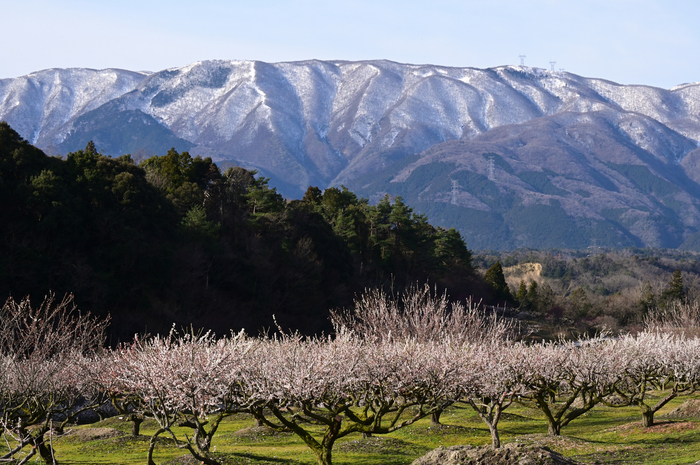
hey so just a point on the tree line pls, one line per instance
(173, 239)
(585, 291)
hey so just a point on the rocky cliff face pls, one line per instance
(511, 156)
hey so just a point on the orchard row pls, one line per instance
(388, 364)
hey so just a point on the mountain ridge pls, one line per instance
(586, 152)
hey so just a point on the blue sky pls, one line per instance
(653, 42)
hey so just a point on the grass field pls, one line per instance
(603, 436)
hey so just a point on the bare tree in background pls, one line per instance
(421, 314)
(678, 318)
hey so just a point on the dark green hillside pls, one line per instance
(175, 240)
(541, 182)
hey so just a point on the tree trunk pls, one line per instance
(26, 459)
(554, 428)
(135, 425)
(45, 451)
(648, 412)
(202, 458)
(553, 425)
(152, 446)
(495, 439)
(435, 418)
(324, 455)
(490, 416)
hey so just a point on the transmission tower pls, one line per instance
(455, 191)
(553, 64)
(522, 60)
(491, 170)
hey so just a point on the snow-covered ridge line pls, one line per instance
(326, 116)
(39, 104)
(623, 158)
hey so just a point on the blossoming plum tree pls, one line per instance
(347, 385)
(567, 379)
(491, 382)
(45, 380)
(183, 380)
(421, 314)
(657, 361)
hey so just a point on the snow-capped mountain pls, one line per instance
(596, 153)
(42, 105)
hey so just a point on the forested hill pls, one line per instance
(173, 240)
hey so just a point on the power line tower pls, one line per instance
(455, 191)
(553, 64)
(491, 170)
(522, 60)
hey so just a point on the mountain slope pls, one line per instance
(568, 180)
(491, 151)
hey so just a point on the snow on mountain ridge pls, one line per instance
(336, 108)
(40, 104)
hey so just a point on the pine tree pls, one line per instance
(521, 295)
(675, 289)
(495, 278)
(533, 296)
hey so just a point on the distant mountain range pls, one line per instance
(511, 156)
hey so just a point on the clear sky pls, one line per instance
(653, 42)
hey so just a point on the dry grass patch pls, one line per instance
(93, 434)
(661, 427)
(688, 409)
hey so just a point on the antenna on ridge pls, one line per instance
(491, 170)
(522, 59)
(553, 63)
(455, 191)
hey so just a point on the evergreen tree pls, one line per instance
(521, 295)
(647, 298)
(496, 280)
(675, 290)
(313, 195)
(533, 296)
(451, 251)
(579, 303)
(263, 199)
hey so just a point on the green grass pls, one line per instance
(603, 436)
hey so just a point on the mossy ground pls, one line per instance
(603, 436)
